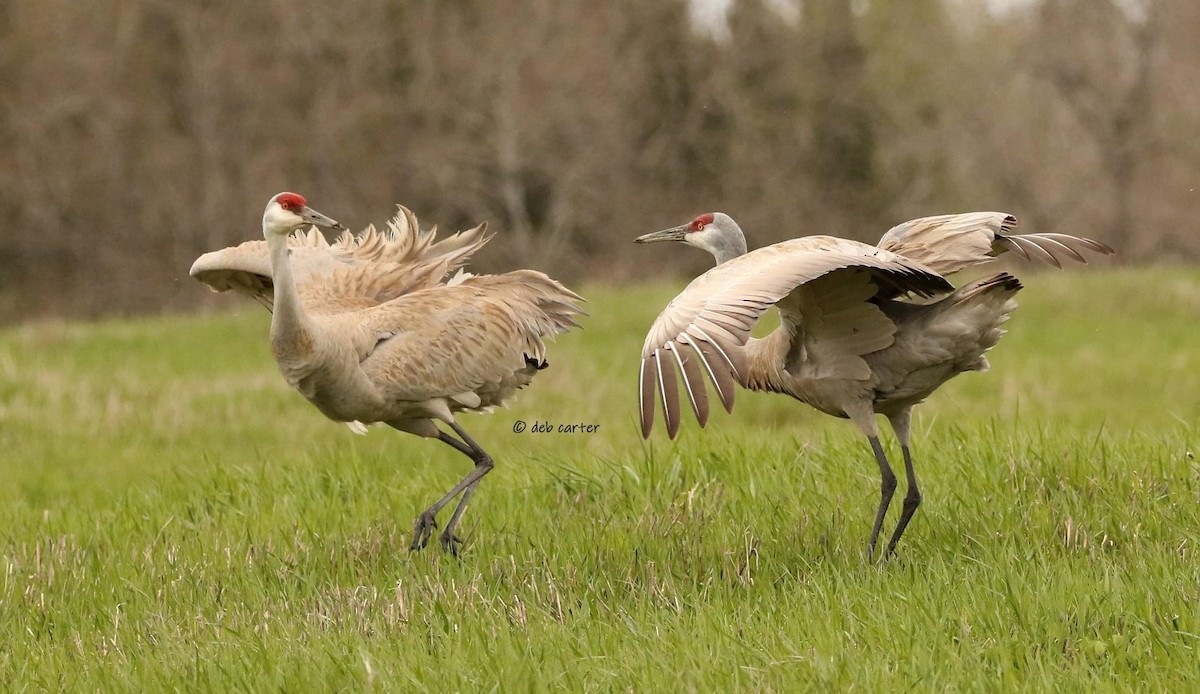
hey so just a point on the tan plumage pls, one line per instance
(859, 334)
(370, 329)
(951, 242)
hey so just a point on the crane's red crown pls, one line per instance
(291, 201)
(700, 222)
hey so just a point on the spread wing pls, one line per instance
(703, 330)
(354, 272)
(952, 242)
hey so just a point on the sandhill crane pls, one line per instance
(850, 343)
(368, 330)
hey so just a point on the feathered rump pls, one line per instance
(541, 305)
(353, 272)
(484, 335)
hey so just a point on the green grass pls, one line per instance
(172, 517)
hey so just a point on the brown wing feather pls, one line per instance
(1053, 245)
(669, 389)
(722, 378)
(693, 381)
(1032, 249)
(646, 395)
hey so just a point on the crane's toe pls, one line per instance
(423, 530)
(451, 543)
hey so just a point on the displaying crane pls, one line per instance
(370, 330)
(864, 330)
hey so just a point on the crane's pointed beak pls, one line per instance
(313, 217)
(673, 234)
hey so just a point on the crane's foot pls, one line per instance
(451, 543)
(879, 557)
(423, 530)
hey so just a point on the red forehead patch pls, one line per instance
(700, 222)
(292, 201)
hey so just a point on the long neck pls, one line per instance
(289, 322)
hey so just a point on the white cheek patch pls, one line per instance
(701, 239)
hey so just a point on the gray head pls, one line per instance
(287, 212)
(715, 232)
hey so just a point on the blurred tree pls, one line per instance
(844, 133)
(918, 104)
(152, 131)
(1100, 56)
(843, 115)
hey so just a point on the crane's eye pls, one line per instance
(697, 225)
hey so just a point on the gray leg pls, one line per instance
(912, 499)
(887, 489)
(483, 465)
(862, 413)
(427, 521)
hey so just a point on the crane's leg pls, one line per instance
(912, 499)
(887, 489)
(864, 417)
(427, 521)
(483, 465)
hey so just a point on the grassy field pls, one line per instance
(172, 517)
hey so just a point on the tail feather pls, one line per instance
(990, 300)
(1001, 285)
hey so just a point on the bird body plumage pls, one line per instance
(431, 353)
(892, 353)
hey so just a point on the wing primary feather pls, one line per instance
(693, 383)
(696, 376)
(1032, 250)
(670, 393)
(716, 380)
(646, 396)
(725, 384)
(1049, 242)
(1089, 244)
(1007, 243)
(707, 338)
